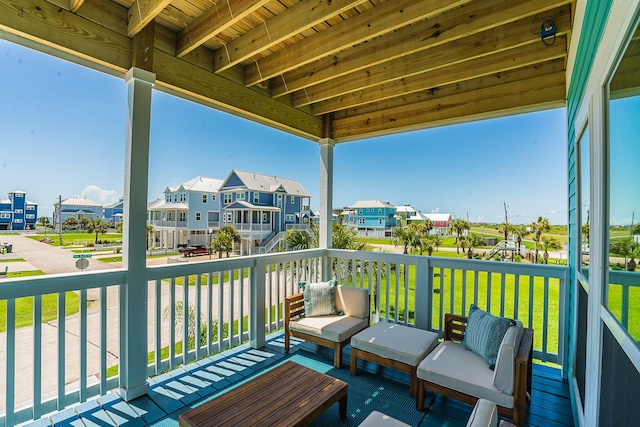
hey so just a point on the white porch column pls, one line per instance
(326, 200)
(133, 295)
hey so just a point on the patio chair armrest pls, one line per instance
(293, 307)
(454, 327)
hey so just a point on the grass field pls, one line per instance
(24, 309)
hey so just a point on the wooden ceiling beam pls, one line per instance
(458, 23)
(491, 64)
(205, 87)
(142, 12)
(213, 22)
(68, 35)
(374, 22)
(281, 27)
(491, 41)
(543, 88)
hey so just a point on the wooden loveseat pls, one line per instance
(333, 331)
(452, 370)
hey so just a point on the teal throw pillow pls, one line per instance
(484, 334)
(319, 298)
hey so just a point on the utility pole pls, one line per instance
(60, 218)
(633, 214)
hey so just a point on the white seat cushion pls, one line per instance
(378, 419)
(333, 328)
(485, 414)
(396, 342)
(453, 366)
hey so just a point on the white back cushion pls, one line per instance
(503, 375)
(352, 301)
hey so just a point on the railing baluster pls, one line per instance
(172, 322)
(158, 313)
(103, 340)
(62, 301)
(210, 313)
(220, 309)
(452, 291)
(241, 308)
(545, 319)
(197, 309)
(476, 286)
(503, 291)
(37, 356)
(397, 293)
(624, 318)
(489, 277)
(11, 362)
(516, 296)
(406, 294)
(232, 305)
(464, 291)
(185, 319)
(387, 298)
(83, 346)
(531, 304)
(378, 288)
(441, 312)
(278, 300)
(269, 291)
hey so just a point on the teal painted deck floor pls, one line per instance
(374, 388)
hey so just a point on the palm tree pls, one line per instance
(84, 223)
(549, 243)
(225, 239)
(457, 227)
(44, 221)
(97, 226)
(505, 228)
(429, 242)
(296, 239)
(520, 231)
(405, 237)
(585, 233)
(537, 228)
(70, 223)
(471, 241)
(149, 235)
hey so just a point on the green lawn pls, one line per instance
(78, 238)
(24, 309)
(12, 260)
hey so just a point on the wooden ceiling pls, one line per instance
(344, 69)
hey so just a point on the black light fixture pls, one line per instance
(548, 31)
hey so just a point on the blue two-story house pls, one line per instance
(188, 213)
(263, 207)
(113, 212)
(373, 217)
(17, 213)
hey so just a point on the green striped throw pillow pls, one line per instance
(484, 334)
(319, 298)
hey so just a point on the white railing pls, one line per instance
(168, 223)
(230, 301)
(250, 226)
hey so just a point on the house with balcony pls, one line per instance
(189, 213)
(516, 57)
(262, 208)
(439, 221)
(372, 218)
(18, 213)
(77, 207)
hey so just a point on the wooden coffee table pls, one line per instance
(288, 395)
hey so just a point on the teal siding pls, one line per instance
(595, 18)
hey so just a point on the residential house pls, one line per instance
(440, 221)
(188, 213)
(405, 212)
(77, 207)
(18, 213)
(113, 213)
(263, 207)
(373, 217)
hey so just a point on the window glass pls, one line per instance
(583, 152)
(623, 293)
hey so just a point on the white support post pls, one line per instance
(326, 201)
(134, 294)
(424, 293)
(257, 297)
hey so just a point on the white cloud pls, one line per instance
(553, 212)
(104, 197)
(436, 210)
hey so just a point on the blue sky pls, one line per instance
(62, 130)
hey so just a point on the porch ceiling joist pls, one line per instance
(343, 69)
(529, 88)
(368, 25)
(457, 24)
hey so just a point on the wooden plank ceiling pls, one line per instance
(345, 69)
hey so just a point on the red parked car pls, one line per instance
(194, 250)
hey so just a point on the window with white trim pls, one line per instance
(31, 208)
(361, 221)
(279, 201)
(265, 217)
(380, 221)
(167, 198)
(228, 217)
(5, 215)
(198, 216)
(19, 195)
(213, 197)
(379, 211)
(293, 200)
(239, 196)
(256, 197)
(204, 198)
(17, 221)
(183, 197)
(182, 216)
(30, 216)
(289, 218)
(18, 211)
(227, 198)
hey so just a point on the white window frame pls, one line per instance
(293, 200)
(228, 217)
(279, 200)
(5, 215)
(361, 221)
(265, 217)
(183, 197)
(31, 208)
(198, 216)
(204, 198)
(228, 198)
(289, 218)
(240, 196)
(256, 197)
(182, 216)
(30, 216)
(18, 211)
(18, 221)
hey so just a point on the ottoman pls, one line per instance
(393, 346)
